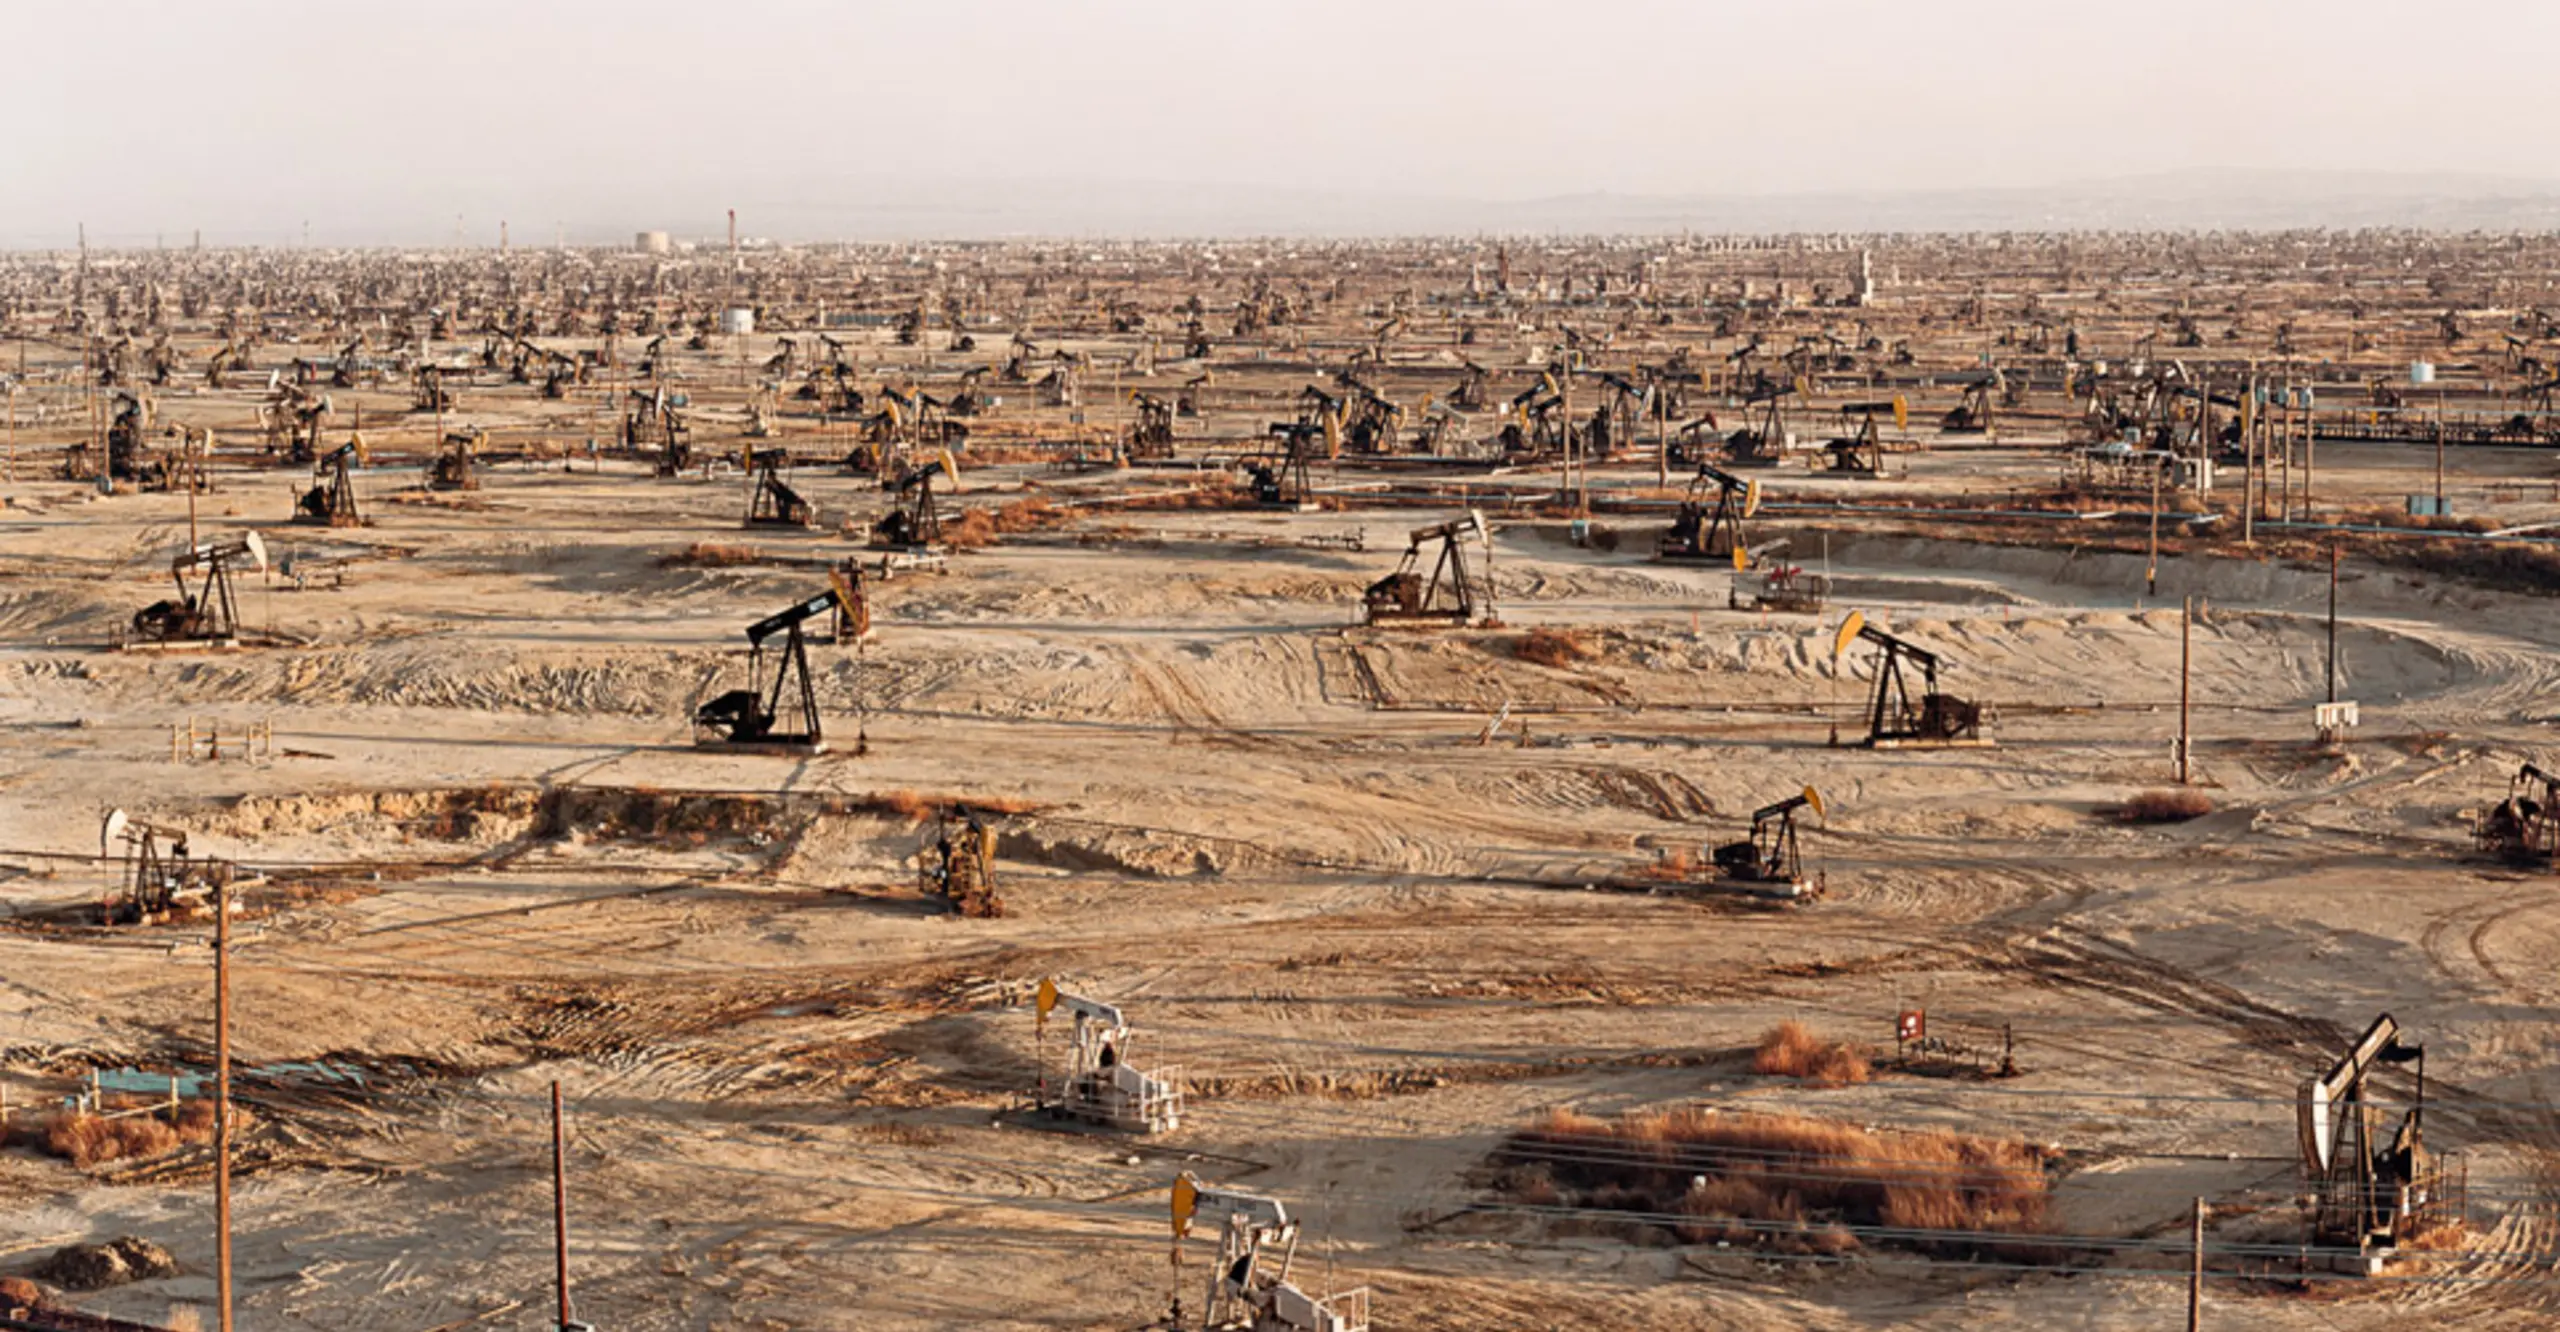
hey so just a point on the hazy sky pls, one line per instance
(383, 121)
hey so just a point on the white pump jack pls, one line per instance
(1101, 1085)
(1250, 1287)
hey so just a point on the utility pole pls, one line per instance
(2439, 510)
(2151, 575)
(2253, 405)
(222, 1104)
(2195, 1272)
(560, 1205)
(2186, 737)
(2333, 622)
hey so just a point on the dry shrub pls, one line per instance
(2174, 805)
(1219, 490)
(1030, 515)
(20, 1293)
(1791, 1050)
(1557, 648)
(972, 529)
(1783, 1181)
(87, 1140)
(908, 805)
(917, 806)
(708, 555)
(2390, 517)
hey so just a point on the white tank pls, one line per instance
(737, 320)
(2422, 372)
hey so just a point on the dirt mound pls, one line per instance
(98, 1266)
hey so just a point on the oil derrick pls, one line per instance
(125, 461)
(1769, 861)
(159, 878)
(1894, 718)
(1278, 479)
(652, 423)
(914, 523)
(1151, 435)
(331, 500)
(207, 612)
(1860, 452)
(292, 422)
(1370, 422)
(1776, 585)
(1453, 595)
(427, 390)
(778, 710)
(2371, 1190)
(1103, 1085)
(184, 463)
(1473, 389)
(2524, 828)
(959, 866)
(457, 466)
(773, 502)
(1249, 1283)
(1536, 429)
(1703, 532)
(1764, 438)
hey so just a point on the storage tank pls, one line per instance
(737, 321)
(2422, 372)
(652, 242)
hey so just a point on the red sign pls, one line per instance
(1911, 1026)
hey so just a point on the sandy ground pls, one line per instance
(1372, 945)
(485, 856)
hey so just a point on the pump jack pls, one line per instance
(1764, 438)
(209, 612)
(2524, 828)
(156, 880)
(1783, 586)
(775, 503)
(1975, 414)
(1700, 534)
(1279, 479)
(331, 501)
(1862, 452)
(1101, 1085)
(1453, 597)
(960, 866)
(2368, 1192)
(1769, 856)
(913, 524)
(779, 715)
(457, 468)
(1892, 719)
(1151, 435)
(1249, 1288)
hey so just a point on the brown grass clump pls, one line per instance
(1212, 491)
(1031, 515)
(708, 555)
(87, 1140)
(1787, 1182)
(1791, 1050)
(20, 1293)
(917, 806)
(1677, 863)
(972, 529)
(1557, 648)
(2175, 805)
